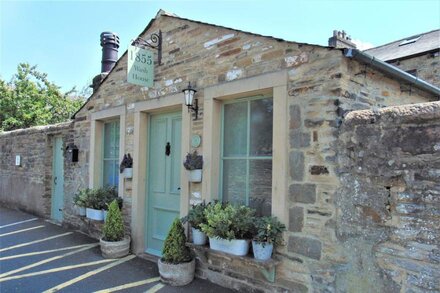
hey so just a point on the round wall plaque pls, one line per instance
(196, 140)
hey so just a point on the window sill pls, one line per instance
(206, 256)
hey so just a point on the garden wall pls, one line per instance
(28, 187)
(389, 202)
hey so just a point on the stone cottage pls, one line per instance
(269, 127)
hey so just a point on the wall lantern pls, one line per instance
(72, 153)
(189, 100)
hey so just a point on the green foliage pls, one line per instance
(30, 99)
(114, 226)
(100, 198)
(269, 230)
(196, 215)
(175, 250)
(193, 161)
(229, 222)
(80, 199)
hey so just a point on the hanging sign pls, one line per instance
(140, 66)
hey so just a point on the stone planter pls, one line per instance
(115, 249)
(128, 173)
(81, 211)
(235, 246)
(199, 238)
(262, 252)
(97, 215)
(195, 175)
(177, 274)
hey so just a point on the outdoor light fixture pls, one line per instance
(189, 99)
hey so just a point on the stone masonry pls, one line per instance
(332, 243)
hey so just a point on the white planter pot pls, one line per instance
(105, 215)
(199, 238)
(97, 215)
(195, 175)
(81, 211)
(260, 252)
(235, 246)
(115, 249)
(177, 274)
(128, 173)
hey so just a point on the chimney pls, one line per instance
(340, 39)
(110, 45)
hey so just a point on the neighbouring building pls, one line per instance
(295, 130)
(418, 55)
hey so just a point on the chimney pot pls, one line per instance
(110, 45)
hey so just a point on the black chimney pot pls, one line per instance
(110, 45)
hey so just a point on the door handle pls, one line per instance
(55, 180)
(167, 149)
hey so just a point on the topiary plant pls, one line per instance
(114, 226)
(174, 249)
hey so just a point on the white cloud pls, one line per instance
(361, 45)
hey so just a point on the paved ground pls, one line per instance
(37, 256)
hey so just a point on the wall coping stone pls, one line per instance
(36, 129)
(413, 113)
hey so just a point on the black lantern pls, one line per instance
(189, 99)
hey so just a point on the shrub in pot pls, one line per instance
(194, 164)
(269, 233)
(229, 228)
(114, 243)
(177, 266)
(107, 195)
(126, 166)
(195, 217)
(80, 201)
(94, 204)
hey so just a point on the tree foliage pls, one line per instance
(174, 248)
(30, 99)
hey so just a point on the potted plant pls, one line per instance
(126, 166)
(177, 266)
(80, 201)
(94, 204)
(229, 228)
(195, 217)
(269, 233)
(108, 194)
(194, 164)
(114, 243)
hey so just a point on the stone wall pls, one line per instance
(426, 66)
(388, 203)
(28, 187)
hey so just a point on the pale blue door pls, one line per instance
(163, 186)
(57, 180)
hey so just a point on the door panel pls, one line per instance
(57, 180)
(163, 190)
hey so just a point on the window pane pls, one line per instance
(108, 140)
(261, 125)
(235, 129)
(260, 186)
(234, 181)
(111, 173)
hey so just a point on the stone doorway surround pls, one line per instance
(142, 110)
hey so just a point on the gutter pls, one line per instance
(392, 70)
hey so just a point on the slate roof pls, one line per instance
(407, 47)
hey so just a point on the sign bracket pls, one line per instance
(154, 42)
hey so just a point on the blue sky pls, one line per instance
(62, 37)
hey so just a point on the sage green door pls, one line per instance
(57, 180)
(163, 185)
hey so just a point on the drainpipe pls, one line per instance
(392, 70)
